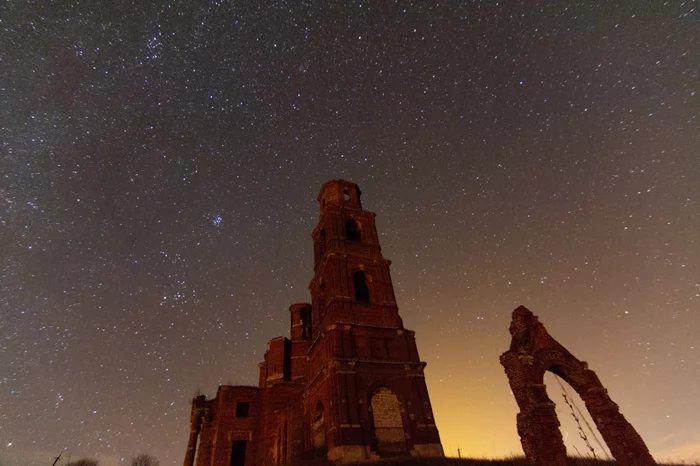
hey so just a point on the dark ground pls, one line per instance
(515, 461)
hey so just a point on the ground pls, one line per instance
(515, 461)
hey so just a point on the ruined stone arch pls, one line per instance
(532, 353)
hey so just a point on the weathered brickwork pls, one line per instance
(348, 385)
(388, 423)
(533, 352)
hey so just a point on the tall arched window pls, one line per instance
(352, 231)
(361, 289)
(304, 322)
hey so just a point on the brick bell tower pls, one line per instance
(366, 396)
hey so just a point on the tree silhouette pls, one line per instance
(144, 460)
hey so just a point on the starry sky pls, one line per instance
(160, 161)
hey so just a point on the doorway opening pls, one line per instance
(238, 453)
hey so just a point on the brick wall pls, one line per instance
(386, 414)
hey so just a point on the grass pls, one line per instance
(510, 461)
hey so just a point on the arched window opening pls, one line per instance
(346, 195)
(361, 289)
(352, 231)
(304, 322)
(387, 421)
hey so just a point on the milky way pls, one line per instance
(159, 168)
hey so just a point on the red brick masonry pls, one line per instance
(348, 385)
(532, 352)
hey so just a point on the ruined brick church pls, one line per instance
(348, 385)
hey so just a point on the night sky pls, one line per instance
(159, 167)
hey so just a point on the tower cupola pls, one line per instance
(340, 192)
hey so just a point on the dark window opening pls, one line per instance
(242, 409)
(304, 322)
(238, 453)
(361, 290)
(319, 412)
(352, 232)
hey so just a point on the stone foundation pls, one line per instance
(428, 450)
(349, 454)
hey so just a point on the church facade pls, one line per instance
(348, 385)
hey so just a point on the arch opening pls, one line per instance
(387, 422)
(305, 322)
(361, 288)
(352, 231)
(578, 430)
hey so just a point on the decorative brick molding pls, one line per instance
(533, 352)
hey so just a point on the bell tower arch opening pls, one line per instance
(352, 231)
(361, 289)
(532, 353)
